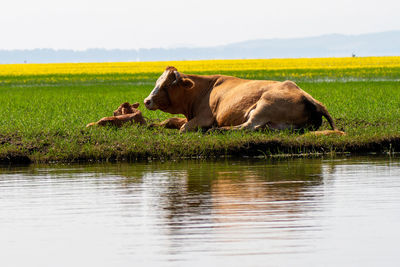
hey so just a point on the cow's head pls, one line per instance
(168, 85)
(126, 108)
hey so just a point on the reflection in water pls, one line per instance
(258, 213)
(241, 205)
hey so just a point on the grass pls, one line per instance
(43, 115)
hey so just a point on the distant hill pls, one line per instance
(333, 45)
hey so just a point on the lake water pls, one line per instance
(288, 212)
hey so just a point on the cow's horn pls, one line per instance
(177, 77)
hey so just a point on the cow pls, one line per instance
(225, 102)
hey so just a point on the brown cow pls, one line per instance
(232, 103)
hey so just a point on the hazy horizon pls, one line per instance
(178, 46)
(376, 44)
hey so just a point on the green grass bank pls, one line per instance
(43, 118)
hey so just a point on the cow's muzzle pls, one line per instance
(149, 103)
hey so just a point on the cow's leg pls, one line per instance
(257, 118)
(196, 123)
(275, 111)
(175, 123)
(269, 112)
(171, 123)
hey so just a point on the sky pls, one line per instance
(132, 24)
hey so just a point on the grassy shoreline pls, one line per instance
(44, 115)
(274, 147)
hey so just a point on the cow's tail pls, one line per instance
(321, 109)
(324, 112)
(91, 124)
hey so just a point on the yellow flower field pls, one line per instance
(199, 65)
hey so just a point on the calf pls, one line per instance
(129, 113)
(126, 108)
(123, 114)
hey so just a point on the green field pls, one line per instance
(43, 117)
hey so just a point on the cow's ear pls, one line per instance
(135, 105)
(187, 83)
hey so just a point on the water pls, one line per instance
(304, 212)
